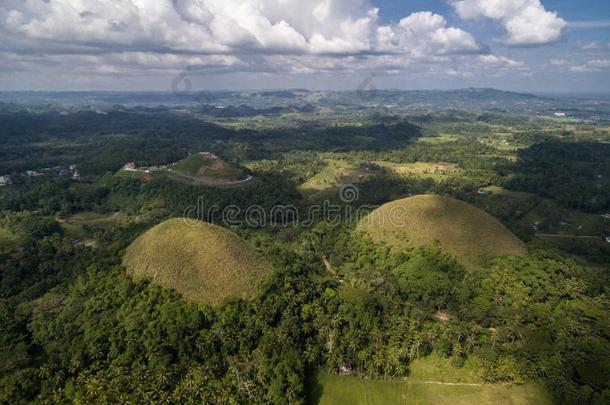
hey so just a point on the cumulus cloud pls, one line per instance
(527, 22)
(224, 26)
(131, 37)
(426, 33)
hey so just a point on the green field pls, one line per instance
(437, 170)
(435, 140)
(504, 193)
(208, 166)
(203, 262)
(468, 233)
(555, 220)
(432, 380)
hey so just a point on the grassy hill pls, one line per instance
(208, 166)
(461, 229)
(203, 262)
(432, 380)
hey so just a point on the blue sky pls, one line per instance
(522, 45)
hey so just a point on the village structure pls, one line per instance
(61, 171)
(132, 167)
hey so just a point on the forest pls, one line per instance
(75, 327)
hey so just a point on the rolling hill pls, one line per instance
(207, 166)
(468, 233)
(203, 262)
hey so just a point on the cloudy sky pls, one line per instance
(523, 45)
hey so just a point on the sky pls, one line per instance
(538, 46)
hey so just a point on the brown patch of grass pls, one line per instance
(203, 262)
(468, 233)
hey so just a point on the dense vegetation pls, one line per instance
(76, 327)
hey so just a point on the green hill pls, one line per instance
(468, 233)
(208, 166)
(203, 262)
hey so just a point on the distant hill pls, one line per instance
(208, 166)
(253, 103)
(203, 262)
(466, 232)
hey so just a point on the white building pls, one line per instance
(5, 180)
(560, 114)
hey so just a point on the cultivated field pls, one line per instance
(432, 380)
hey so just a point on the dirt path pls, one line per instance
(448, 383)
(328, 266)
(211, 182)
(550, 235)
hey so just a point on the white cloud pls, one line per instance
(594, 65)
(527, 22)
(227, 26)
(128, 38)
(426, 33)
(558, 62)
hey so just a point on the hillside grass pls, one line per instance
(468, 233)
(335, 174)
(430, 382)
(203, 262)
(208, 166)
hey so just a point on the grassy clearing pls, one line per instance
(436, 140)
(552, 219)
(335, 174)
(80, 226)
(504, 193)
(206, 165)
(468, 233)
(438, 170)
(94, 219)
(432, 380)
(203, 262)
